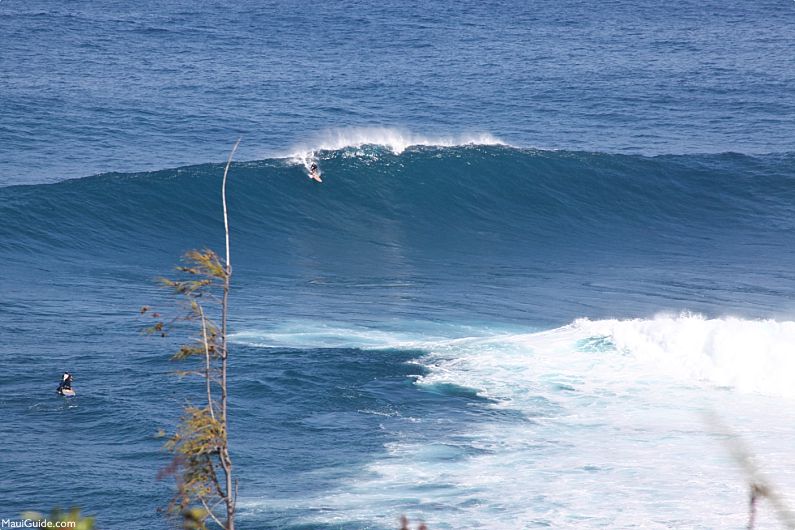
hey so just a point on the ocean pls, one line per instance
(552, 238)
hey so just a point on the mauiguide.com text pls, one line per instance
(41, 523)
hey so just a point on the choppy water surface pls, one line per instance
(549, 237)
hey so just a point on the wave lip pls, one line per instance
(396, 140)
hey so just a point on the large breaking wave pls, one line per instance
(422, 198)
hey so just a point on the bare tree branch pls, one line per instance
(210, 512)
(223, 199)
(226, 462)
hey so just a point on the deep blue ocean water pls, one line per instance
(549, 236)
(92, 87)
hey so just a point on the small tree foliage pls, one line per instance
(200, 446)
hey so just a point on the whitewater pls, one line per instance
(594, 424)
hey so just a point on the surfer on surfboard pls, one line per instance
(65, 387)
(314, 172)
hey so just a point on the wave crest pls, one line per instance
(395, 140)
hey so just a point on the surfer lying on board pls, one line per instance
(314, 172)
(66, 384)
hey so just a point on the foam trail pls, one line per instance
(413, 335)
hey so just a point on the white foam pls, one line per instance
(605, 428)
(745, 355)
(397, 140)
(616, 438)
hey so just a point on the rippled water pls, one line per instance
(461, 323)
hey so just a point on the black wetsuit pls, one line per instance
(65, 385)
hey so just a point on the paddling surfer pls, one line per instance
(65, 387)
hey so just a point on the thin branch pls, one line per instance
(226, 463)
(223, 199)
(207, 363)
(210, 512)
(224, 466)
(219, 501)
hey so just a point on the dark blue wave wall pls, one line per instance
(491, 233)
(464, 201)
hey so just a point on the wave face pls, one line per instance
(586, 224)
